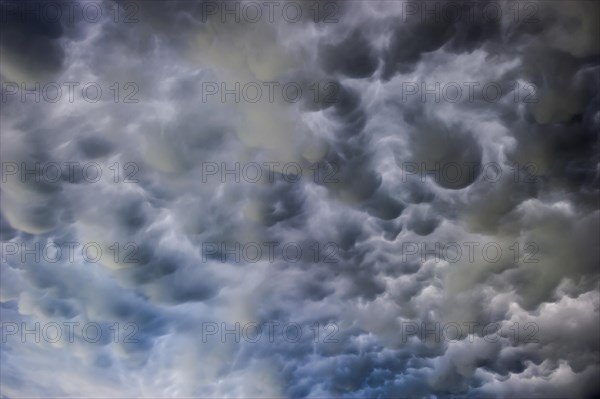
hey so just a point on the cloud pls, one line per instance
(391, 251)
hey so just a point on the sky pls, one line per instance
(300, 199)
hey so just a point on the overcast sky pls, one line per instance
(321, 199)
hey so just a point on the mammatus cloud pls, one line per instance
(300, 199)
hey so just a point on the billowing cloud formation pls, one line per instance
(443, 156)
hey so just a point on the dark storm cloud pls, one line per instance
(352, 57)
(409, 42)
(30, 42)
(433, 144)
(379, 145)
(95, 147)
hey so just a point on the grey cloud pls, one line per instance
(372, 206)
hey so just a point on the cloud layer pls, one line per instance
(446, 132)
